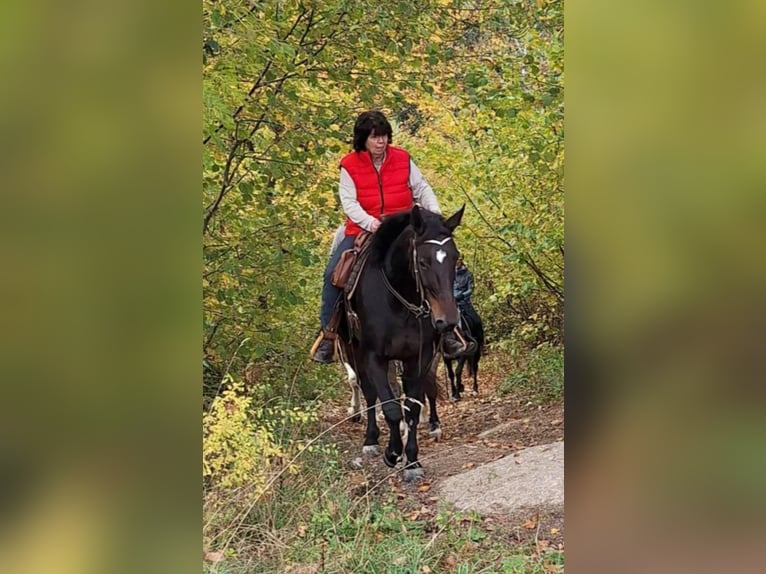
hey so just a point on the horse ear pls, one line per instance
(416, 220)
(454, 219)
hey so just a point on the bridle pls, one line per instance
(418, 311)
(424, 309)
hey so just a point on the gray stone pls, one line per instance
(530, 478)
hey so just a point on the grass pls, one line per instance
(315, 521)
(538, 373)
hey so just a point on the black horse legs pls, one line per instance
(376, 381)
(455, 378)
(372, 433)
(415, 395)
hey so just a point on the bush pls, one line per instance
(541, 373)
(243, 446)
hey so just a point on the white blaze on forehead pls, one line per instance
(440, 255)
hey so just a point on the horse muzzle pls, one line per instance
(444, 316)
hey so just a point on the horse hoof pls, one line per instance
(371, 450)
(412, 474)
(391, 459)
(435, 432)
(454, 398)
(357, 418)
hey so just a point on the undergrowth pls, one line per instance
(278, 498)
(537, 373)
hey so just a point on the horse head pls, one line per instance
(433, 263)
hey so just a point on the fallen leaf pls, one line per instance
(414, 515)
(213, 556)
(554, 530)
(433, 499)
(301, 530)
(399, 561)
(424, 487)
(555, 422)
(425, 569)
(469, 465)
(450, 561)
(530, 523)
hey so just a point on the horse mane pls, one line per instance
(392, 226)
(390, 229)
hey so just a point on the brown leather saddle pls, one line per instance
(346, 275)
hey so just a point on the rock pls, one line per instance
(529, 478)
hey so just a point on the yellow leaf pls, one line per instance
(424, 487)
(554, 530)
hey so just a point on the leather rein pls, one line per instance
(418, 311)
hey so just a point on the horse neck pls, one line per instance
(398, 266)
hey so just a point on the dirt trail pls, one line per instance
(477, 430)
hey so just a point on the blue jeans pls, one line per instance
(330, 292)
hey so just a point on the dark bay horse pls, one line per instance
(472, 324)
(402, 304)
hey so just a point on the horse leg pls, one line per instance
(459, 374)
(372, 433)
(475, 369)
(393, 382)
(454, 391)
(414, 397)
(355, 408)
(377, 372)
(434, 426)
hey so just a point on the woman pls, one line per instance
(376, 179)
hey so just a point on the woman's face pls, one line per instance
(376, 144)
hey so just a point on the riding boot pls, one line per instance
(456, 345)
(325, 351)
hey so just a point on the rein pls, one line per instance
(418, 311)
(423, 310)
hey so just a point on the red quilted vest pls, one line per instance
(381, 193)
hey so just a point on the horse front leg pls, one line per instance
(371, 435)
(377, 372)
(413, 401)
(459, 375)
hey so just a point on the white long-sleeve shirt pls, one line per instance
(422, 194)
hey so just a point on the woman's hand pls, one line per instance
(375, 225)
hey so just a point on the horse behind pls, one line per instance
(402, 305)
(475, 327)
